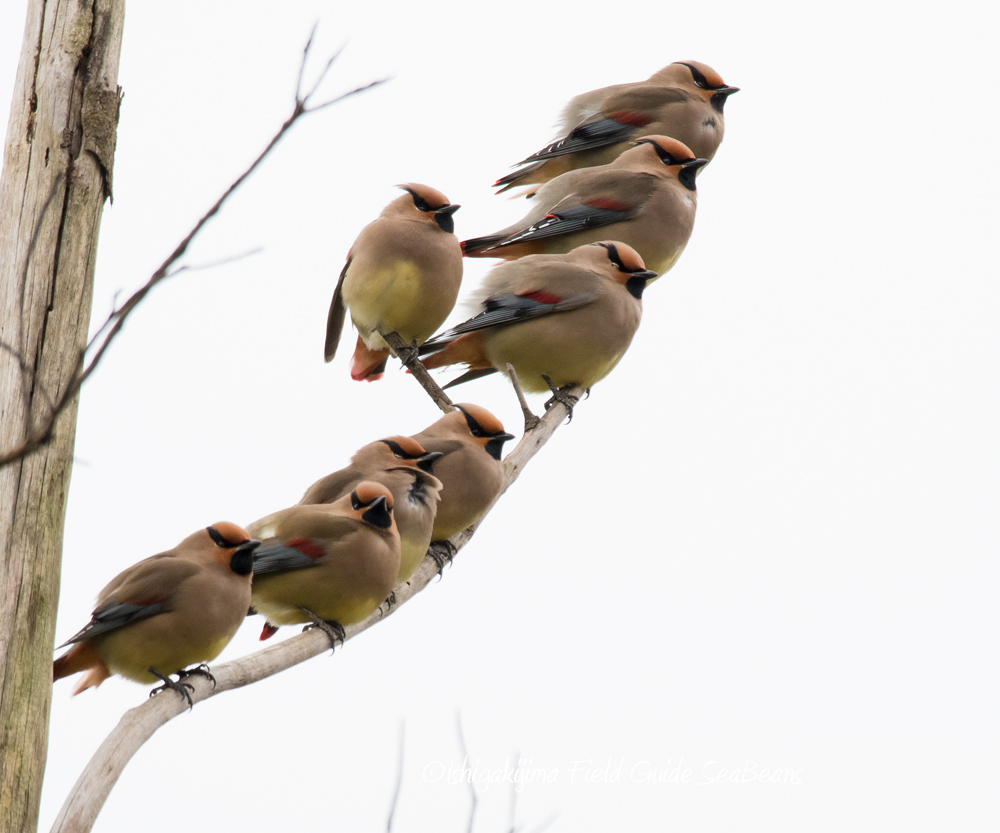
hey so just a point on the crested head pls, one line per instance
(624, 265)
(231, 546)
(428, 204)
(674, 155)
(702, 75)
(707, 82)
(485, 428)
(372, 503)
(479, 421)
(388, 451)
(225, 535)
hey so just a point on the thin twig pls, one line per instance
(138, 725)
(407, 354)
(201, 267)
(399, 777)
(38, 434)
(302, 64)
(530, 420)
(465, 765)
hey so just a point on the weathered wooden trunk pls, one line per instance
(59, 153)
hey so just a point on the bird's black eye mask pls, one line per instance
(220, 540)
(397, 449)
(474, 427)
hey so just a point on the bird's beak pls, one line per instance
(646, 274)
(248, 546)
(694, 164)
(378, 513)
(727, 91)
(505, 436)
(447, 209)
(426, 463)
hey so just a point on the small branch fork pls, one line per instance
(407, 354)
(138, 725)
(37, 432)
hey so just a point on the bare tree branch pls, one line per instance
(201, 267)
(138, 725)
(38, 434)
(407, 354)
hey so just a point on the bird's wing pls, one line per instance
(294, 554)
(140, 592)
(335, 318)
(622, 114)
(503, 309)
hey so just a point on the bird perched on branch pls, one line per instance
(566, 317)
(646, 198)
(402, 275)
(684, 100)
(330, 564)
(404, 467)
(167, 612)
(470, 441)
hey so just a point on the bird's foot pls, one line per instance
(202, 670)
(334, 630)
(390, 600)
(184, 689)
(443, 552)
(560, 395)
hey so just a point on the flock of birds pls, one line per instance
(614, 194)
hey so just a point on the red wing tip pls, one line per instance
(542, 297)
(609, 204)
(267, 631)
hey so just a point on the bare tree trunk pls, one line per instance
(57, 174)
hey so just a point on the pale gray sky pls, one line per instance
(767, 541)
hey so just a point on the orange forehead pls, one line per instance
(231, 532)
(489, 423)
(712, 78)
(368, 492)
(434, 198)
(678, 150)
(409, 446)
(629, 258)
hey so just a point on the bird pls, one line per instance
(559, 320)
(470, 441)
(166, 612)
(646, 198)
(402, 275)
(328, 564)
(404, 467)
(684, 100)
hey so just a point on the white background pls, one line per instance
(767, 541)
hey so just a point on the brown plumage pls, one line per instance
(684, 100)
(402, 275)
(338, 561)
(570, 317)
(405, 468)
(470, 441)
(167, 612)
(646, 198)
